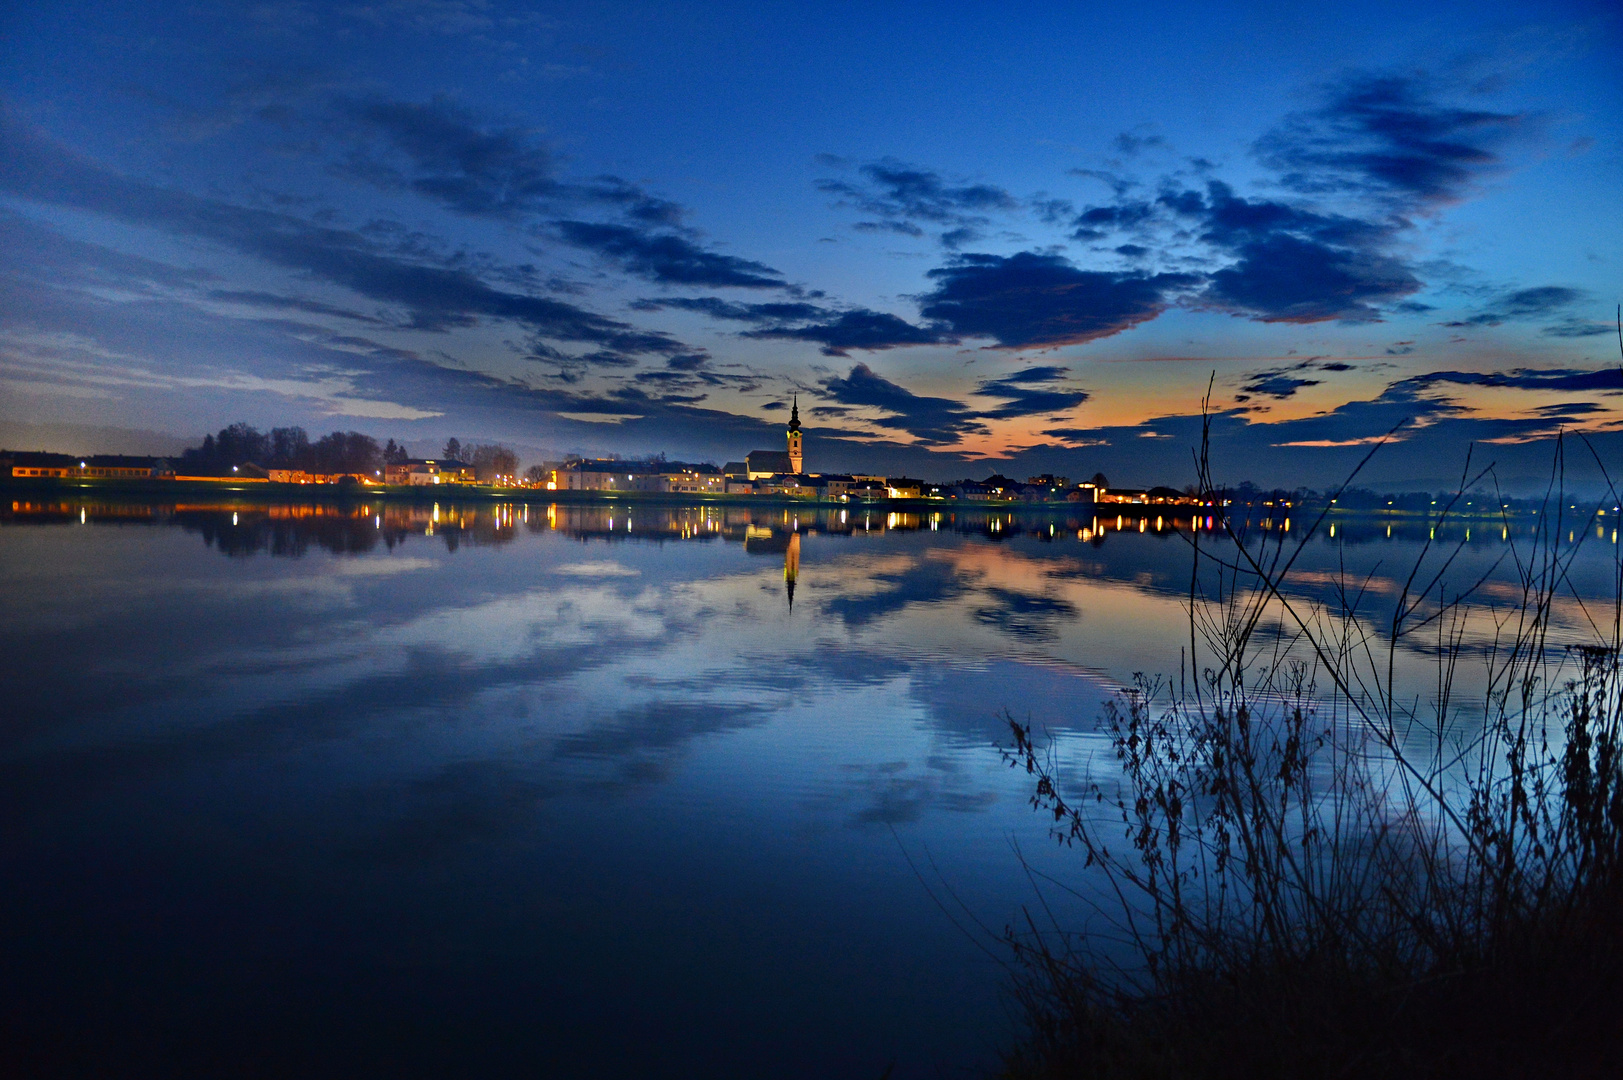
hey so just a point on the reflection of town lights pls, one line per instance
(81, 515)
(233, 517)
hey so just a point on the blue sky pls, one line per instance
(1019, 239)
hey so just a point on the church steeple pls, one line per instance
(797, 459)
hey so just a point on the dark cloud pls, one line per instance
(1523, 305)
(1388, 138)
(929, 419)
(1033, 392)
(1383, 145)
(717, 308)
(1291, 263)
(900, 228)
(435, 296)
(1577, 328)
(443, 152)
(1278, 386)
(278, 302)
(1096, 222)
(1283, 382)
(836, 330)
(1231, 221)
(1289, 279)
(1572, 408)
(446, 153)
(860, 329)
(440, 151)
(1031, 299)
(1129, 143)
(668, 258)
(1568, 380)
(901, 196)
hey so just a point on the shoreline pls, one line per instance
(269, 492)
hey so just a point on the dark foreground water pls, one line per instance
(442, 790)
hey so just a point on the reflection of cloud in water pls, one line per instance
(1030, 618)
(601, 568)
(889, 794)
(462, 802)
(923, 581)
(644, 741)
(969, 701)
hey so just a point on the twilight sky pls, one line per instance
(1018, 238)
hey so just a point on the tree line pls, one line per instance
(339, 452)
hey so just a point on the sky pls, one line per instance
(1029, 238)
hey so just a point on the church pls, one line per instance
(765, 464)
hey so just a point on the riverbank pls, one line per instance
(192, 488)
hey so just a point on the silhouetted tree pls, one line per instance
(289, 448)
(238, 444)
(347, 452)
(453, 449)
(490, 460)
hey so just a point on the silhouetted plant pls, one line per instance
(1317, 876)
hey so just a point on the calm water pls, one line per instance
(304, 790)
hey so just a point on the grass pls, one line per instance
(1311, 872)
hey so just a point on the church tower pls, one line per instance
(797, 459)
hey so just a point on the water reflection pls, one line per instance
(503, 778)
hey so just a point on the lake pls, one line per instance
(508, 789)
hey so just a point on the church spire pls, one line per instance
(797, 454)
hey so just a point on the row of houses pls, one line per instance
(761, 473)
(93, 466)
(414, 472)
(36, 464)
